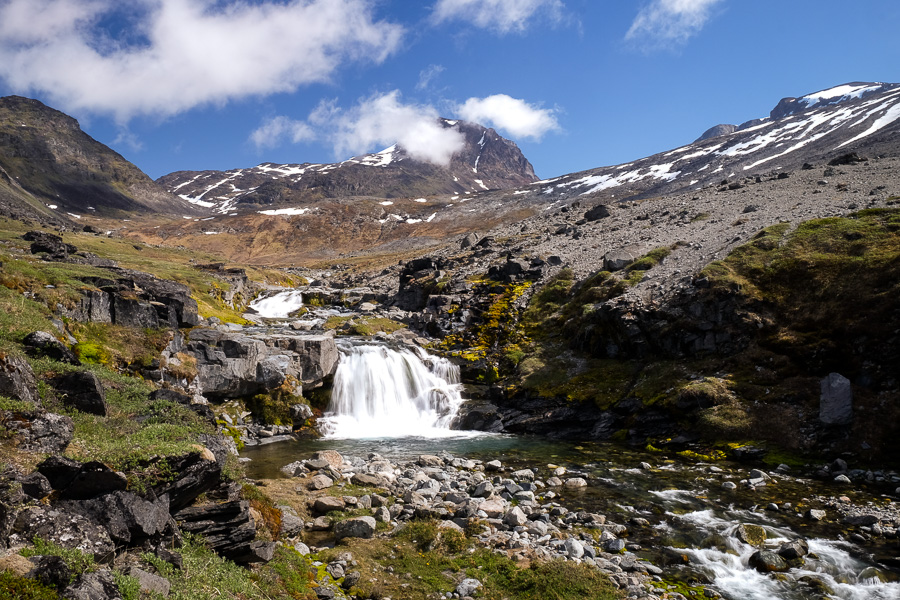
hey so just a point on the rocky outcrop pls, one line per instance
(237, 364)
(42, 343)
(229, 529)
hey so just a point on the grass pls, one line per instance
(424, 564)
(77, 561)
(206, 575)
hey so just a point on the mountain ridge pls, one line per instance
(487, 161)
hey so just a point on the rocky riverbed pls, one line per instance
(661, 530)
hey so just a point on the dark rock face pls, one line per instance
(836, 400)
(598, 212)
(99, 585)
(51, 571)
(42, 343)
(228, 529)
(136, 299)
(128, 518)
(197, 474)
(17, 379)
(52, 245)
(82, 390)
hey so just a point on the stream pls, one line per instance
(682, 515)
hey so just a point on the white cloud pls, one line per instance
(382, 120)
(515, 117)
(428, 75)
(179, 54)
(279, 129)
(501, 15)
(668, 22)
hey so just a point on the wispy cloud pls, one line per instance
(179, 54)
(428, 75)
(278, 130)
(503, 16)
(513, 116)
(664, 23)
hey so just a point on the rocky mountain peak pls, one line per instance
(487, 161)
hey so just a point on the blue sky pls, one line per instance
(221, 84)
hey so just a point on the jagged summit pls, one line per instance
(487, 162)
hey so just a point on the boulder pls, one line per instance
(42, 343)
(196, 472)
(51, 571)
(751, 534)
(17, 379)
(300, 413)
(358, 527)
(81, 390)
(98, 585)
(616, 260)
(793, 550)
(326, 504)
(766, 561)
(836, 400)
(467, 587)
(320, 482)
(598, 212)
(70, 530)
(52, 245)
(93, 479)
(128, 518)
(43, 432)
(150, 584)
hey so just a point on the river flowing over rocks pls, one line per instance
(648, 536)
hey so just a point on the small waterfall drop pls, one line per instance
(279, 305)
(383, 392)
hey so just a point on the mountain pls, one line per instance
(812, 128)
(50, 170)
(487, 161)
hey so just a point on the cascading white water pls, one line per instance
(829, 566)
(278, 306)
(383, 392)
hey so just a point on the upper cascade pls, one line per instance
(487, 161)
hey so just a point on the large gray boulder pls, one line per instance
(836, 400)
(40, 431)
(17, 379)
(359, 527)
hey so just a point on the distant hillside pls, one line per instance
(487, 162)
(52, 171)
(818, 126)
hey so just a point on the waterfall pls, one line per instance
(278, 306)
(384, 392)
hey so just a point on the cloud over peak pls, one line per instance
(172, 55)
(515, 117)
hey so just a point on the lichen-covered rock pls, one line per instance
(98, 585)
(17, 379)
(38, 431)
(42, 343)
(70, 530)
(751, 534)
